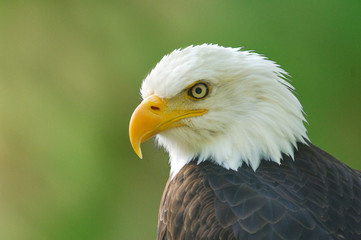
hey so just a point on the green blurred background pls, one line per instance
(70, 73)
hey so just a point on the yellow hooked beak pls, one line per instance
(153, 116)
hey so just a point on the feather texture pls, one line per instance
(313, 197)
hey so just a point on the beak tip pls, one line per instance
(140, 155)
(137, 150)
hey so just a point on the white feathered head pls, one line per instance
(218, 104)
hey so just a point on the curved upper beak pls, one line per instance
(153, 116)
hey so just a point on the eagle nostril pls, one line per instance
(155, 108)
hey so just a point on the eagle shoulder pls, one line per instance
(187, 208)
(315, 197)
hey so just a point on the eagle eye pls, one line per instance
(198, 91)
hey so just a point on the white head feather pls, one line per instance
(252, 113)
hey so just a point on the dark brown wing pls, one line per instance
(187, 209)
(313, 197)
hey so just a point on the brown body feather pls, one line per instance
(313, 196)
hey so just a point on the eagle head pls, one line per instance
(218, 104)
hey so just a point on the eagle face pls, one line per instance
(218, 103)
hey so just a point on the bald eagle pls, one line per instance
(241, 164)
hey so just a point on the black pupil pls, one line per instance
(198, 90)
